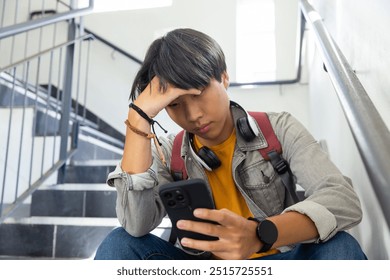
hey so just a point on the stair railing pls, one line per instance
(20, 83)
(370, 132)
(41, 22)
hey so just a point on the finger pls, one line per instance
(202, 245)
(202, 228)
(171, 89)
(222, 216)
(199, 227)
(215, 246)
(177, 92)
(191, 91)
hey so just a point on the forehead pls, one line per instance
(212, 85)
(190, 93)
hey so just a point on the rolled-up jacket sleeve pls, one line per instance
(138, 206)
(331, 202)
(136, 182)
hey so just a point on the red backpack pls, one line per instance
(273, 153)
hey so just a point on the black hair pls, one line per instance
(185, 58)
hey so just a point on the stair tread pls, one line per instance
(95, 162)
(73, 221)
(79, 187)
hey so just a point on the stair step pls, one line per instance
(91, 148)
(53, 237)
(59, 237)
(87, 173)
(74, 200)
(16, 96)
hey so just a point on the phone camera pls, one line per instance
(168, 195)
(171, 203)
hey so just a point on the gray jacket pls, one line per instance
(331, 203)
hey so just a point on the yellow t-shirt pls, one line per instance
(224, 190)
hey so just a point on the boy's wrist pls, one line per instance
(267, 233)
(137, 120)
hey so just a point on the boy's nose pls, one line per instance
(194, 112)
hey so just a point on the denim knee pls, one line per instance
(342, 246)
(120, 245)
(116, 246)
(348, 247)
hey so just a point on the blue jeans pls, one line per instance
(119, 245)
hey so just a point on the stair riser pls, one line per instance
(87, 174)
(63, 203)
(50, 241)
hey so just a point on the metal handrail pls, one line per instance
(115, 47)
(17, 63)
(36, 23)
(370, 132)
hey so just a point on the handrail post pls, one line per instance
(66, 100)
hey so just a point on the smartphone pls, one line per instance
(181, 198)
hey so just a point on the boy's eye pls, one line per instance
(173, 104)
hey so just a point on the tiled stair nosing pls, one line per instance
(65, 221)
(78, 187)
(76, 221)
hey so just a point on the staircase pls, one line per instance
(55, 154)
(69, 220)
(66, 222)
(48, 220)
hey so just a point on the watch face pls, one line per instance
(268, 232)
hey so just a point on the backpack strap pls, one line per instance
(273, 153)
(269, 134)
(178, 171)
(178, 168)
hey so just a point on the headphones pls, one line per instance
(246, 127)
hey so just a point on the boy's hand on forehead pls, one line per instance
(154, 99)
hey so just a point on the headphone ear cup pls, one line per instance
(209, 157)
(245, 129)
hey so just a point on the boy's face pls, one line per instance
(206, 115)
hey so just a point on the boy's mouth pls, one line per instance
(203, 128)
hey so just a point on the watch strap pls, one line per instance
(266, 247)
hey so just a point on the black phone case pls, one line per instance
(181, 198)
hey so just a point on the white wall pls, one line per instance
(134, 31)
(360, 29)
(291, 98)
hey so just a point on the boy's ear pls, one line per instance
(225, 79)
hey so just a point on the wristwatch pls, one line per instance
(267, 233)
